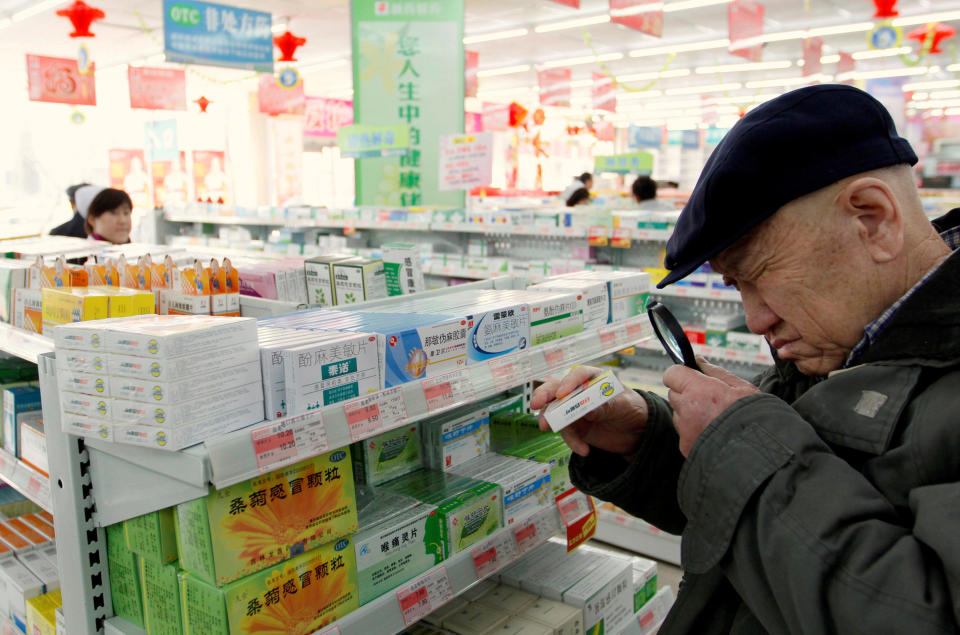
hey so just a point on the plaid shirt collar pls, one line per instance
(872, 330)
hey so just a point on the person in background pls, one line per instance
(109, 217)
(645, 193)
(74, 226)
(579, 197)
(585, 180)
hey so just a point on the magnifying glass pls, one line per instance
(671, 336)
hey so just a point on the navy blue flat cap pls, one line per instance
(790, 146)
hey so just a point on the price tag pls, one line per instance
(621, 238)
(545, 230)
(448, 225)
(369, 415)
(494, 553)
(511, 370)
(423, 595)
(613, 335)
(643, 233)
(447, 389)
(570, 231)
(555, 356)
(278, 443)
(527, 535)
(7, 463)
(579, 515)
(39, 489)
(597, 236)
(636, 330)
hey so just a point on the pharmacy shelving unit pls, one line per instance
(95, 484)
(631, 533)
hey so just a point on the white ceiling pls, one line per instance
(132, 30)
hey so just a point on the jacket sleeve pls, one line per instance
(645, 487)
(807, 541)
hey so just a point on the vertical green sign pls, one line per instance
(407, 70)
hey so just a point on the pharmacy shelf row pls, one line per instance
(659, 235)
(26, 480)
(761, 357)
(170, 478)
(631, 533)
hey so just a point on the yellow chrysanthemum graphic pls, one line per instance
(296, 613)
(381, 59)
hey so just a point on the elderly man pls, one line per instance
(825, 498)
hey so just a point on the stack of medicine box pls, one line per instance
(28, 567)
(551, 450)
(304, 370)
(165, 382)
(388, 455)
(340, 279)
(628, 292)
(525, 484)
(455, 438)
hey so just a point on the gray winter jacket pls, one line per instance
(827, 506)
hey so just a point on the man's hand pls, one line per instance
(615, 427)
(699, 398)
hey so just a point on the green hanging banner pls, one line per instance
(407, 70)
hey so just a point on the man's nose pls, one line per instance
(760, 318)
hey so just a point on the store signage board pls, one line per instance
(554, 84)
(363, 141)
(275, 99)
(690, 139)
(604, 93)
(466, 161)
(128, 172)
(812, 50)
(161, 140)
(217, 35)
(59, 81)
(322, 118)
(471, 62)
(575, 4)
(157, 88)
(578, 515)
(635, 15)
(629, 163)
(644, 137)
(716, 135)
(408, 69)
(745, 23)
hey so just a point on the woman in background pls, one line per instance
(584, 181)
(579, 197)
(110, 217)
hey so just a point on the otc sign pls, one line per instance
(217, 35)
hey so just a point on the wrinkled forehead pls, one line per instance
(737, 256)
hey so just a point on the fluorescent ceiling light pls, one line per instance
(940, 94)
(36, 9)
(683, 5)
(925, 96)
(279, 28)
(703, 45)
(953, 68)
(735, 68)
(709, 88)
(5, 22)
(324, 65)
(940, 83)
(572, 24)
(495, 35)
(910, 20)
(786, 82)
(587, 59)
(941, 103)
(637, 10)
(856, 27)
(826, 59)
(504, 70)
(887, 72)
(580, 83)
(504, 92)
(155, 59)
(872, 55)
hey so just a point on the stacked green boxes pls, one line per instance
(153, 536)
(548, 448)
(124, 577)
(388, 455)
(161, 597)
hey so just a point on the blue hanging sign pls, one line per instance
(715, 135)
(690, 139)
(644, 137)
(217, 35)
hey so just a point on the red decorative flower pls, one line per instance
(81, 16)
(936, 31)
(288, 43)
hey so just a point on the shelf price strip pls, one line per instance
(428, 592)
(279, 443)
(614, 335)
(511, 370)
(494, 553)
(369, 415)
(448, 389)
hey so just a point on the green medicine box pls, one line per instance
(124, 577)
(387, 456)
(153, 536)
(161, 598)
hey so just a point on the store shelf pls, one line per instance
(25, 480)
(23, 344)
(703, 293)
(511, 230)
(720, 353)
(233, 220)
(383, 615)
(634, 534)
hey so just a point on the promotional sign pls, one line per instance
(495, 116)
(361, 142)
(209, 179)
(629, 163)
(466, 161)
(578, 515)
(604, 93)
(288, 162)
(690, 139)
(569, 3)
(274, 99)
(161, 140)
(644, 137)
(322, 118)
(471, 62)
(636, 15)
(812, 50)
(197, 32)
(554, 86)
(58, 80)
(170, 181)
(472, 122)
(408, 71)
(606, 131)
(745, 23)
(845, 68)
(157, 88)
(128, 172)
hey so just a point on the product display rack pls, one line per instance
(95, 484)
(634, 534)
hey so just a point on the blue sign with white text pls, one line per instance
(217, 35)
(690, 139)
(644, 137)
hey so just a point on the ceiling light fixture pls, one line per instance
(703, 45)
(587, 59)
(910, 20)
(826, 59)
(504, 70)
(736, 68)
(709, 88)
(953, 68)
(495, 35)
(572, 24)
(683, 5)
(887, 72)
(279, 27)
(324, 65)
(580, 83)
(36, 9)
(939, 94)
(787, 82)
(872, 55)
(939, 83)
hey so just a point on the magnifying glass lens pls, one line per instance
(669, 340)
(671, 335)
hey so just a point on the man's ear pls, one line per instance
(872, 207)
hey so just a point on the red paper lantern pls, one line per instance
(81, 16)
(203, 102)
(885, 9)
(517, 114)
(939, 33)
(288, 43)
